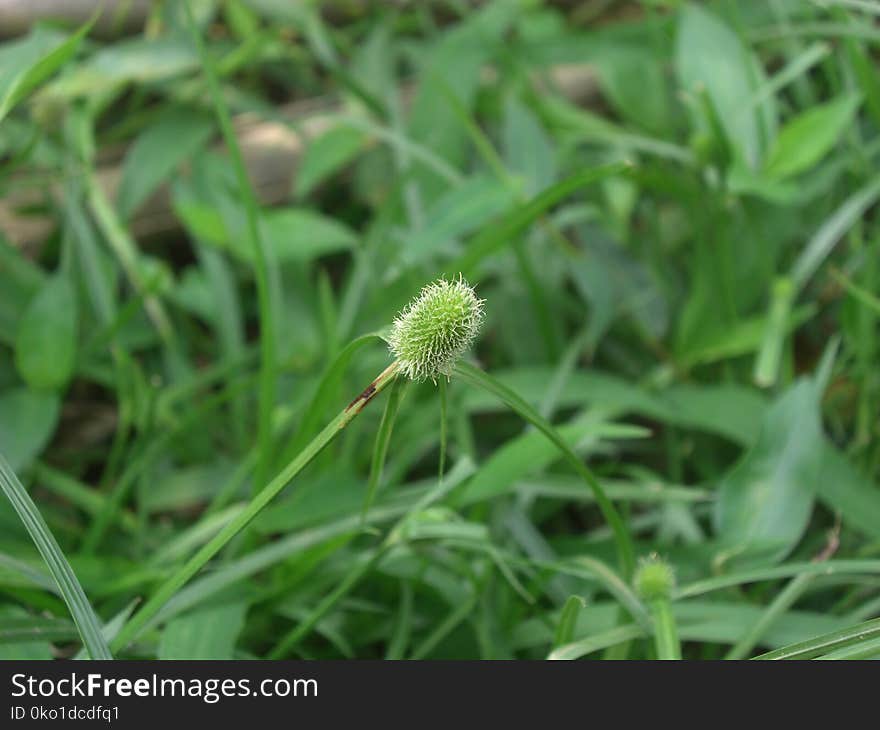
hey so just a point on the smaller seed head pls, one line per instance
(654, 578)
(433, 331)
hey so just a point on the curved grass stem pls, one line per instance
(131, 630)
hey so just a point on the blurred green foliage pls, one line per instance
(699, 320)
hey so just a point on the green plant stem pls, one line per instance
(131, 630)
(443, 429)
(665, 631)
(126, 251)
(380, 447)
(268, 375)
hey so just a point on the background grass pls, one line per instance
(680, 268)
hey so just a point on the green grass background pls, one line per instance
(681, 276)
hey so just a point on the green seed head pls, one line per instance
(654, 579)
(435, 329)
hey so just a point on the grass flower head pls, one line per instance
(432, 332)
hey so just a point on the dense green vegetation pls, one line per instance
(669, 210)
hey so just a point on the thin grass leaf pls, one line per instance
(254, 507)
(597, 642)
(81, 611)
(36, 628)
(830, 567)
(27, 64)
(445, 627)
(344, 587)
(326, 392)
(383, 438)
(403, 626)
(568, 621)
(824, 240)
(852, 637)
(862, 650)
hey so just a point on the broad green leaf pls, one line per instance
(528, 149)
(688, 405)
(327, 154)
(461, 211)
(765, 500)
(616, 283)
(300, 234)
(592, 127)
(844, 489)
(209, 633)
(175, 136)
(635, 83)
(742, 338)
(137, 60)
(25, 64)
(20, 280)
(807, 138)
(27, 422)
(45, 346)
(729, 410)
(453, 63)
(532, 452)
(707, 621)
(711, 56)
(185, 488)
(214, 214)
(201, 219)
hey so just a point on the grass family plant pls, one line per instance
(209, 232)
(428, 339)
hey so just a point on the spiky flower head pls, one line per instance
(435, 329)
(654, 578)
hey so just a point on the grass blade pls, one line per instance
(597, 642)
(830, 567)
(845, 638)
(81, 611)
(254, 507)
(568, 620)
(383, 438)
(824, 240)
